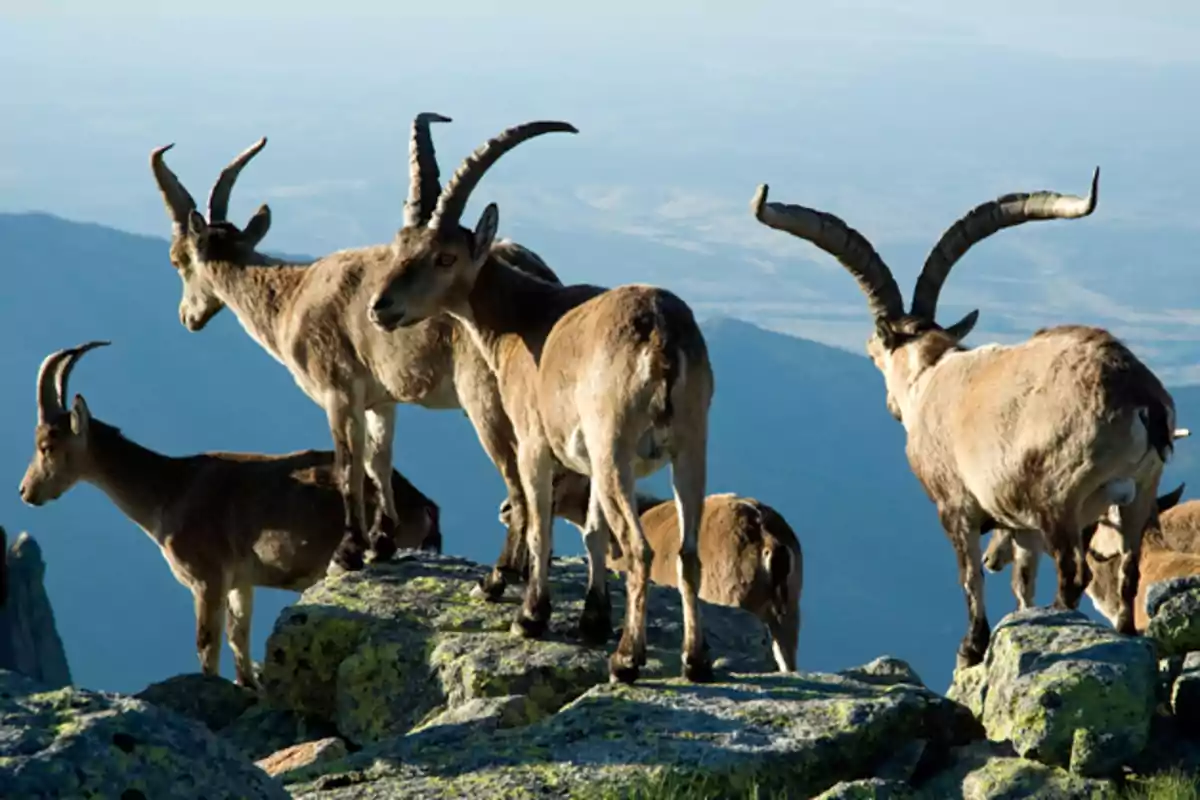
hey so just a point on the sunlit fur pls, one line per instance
(612, 383)
(750, 557)
(1170, 549)
(225, 522)
(311, 317)
(1040, 435)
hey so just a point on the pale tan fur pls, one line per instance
(1040, 435)
(312, 318)
(612, 383)
(1022, 548)
(750, 557)
(225, 522)
(1170, 549)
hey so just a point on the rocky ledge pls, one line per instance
(396, 682)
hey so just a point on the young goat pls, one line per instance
(750, 557)
(611, 383)
(1042, 435)
(225, 522)
(1022, 548)
(312, 318)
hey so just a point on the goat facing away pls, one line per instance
(225, 522)
(750, 557)
(610, 383)
(1170, 549)
(312, 318)
(1023, 548)
(1042, 435)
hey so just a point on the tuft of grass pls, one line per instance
(678, 785)
(1173, 785)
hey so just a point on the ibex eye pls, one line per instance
(445, 259)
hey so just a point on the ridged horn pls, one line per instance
(177, 199)
(986, 219)
(63, 373)
(52, 379)
(842, 242)
(453, 199)
(218, 198)
(424, 183)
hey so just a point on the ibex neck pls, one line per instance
(138, 480)
(260, 296)
(507, 305)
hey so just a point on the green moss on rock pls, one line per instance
(1175, 625)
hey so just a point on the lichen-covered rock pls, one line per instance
(263, 730)
(799, 733)
(1069, 691)
(969, 686)
(1174, 609)
(885, 670)
(75, 743)
(487, 713)
(305, 754)
(29, 640)
(987, 771)
(210, 699)
(379, 650)
(868, 789)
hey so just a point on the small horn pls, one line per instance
(453, 199)
(177, 199)
(424, 183)
(67, 364)
(842, 242)
(218, 198)
(47, 395)
(986, 219)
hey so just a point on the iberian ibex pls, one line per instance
(612, 383)
(750, 557)
(1041, 435)
(1170, 549)
(311, 317)
(225, 522)
(1023, 549)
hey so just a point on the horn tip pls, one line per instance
(157, 152)
(759, 200)
(431, 116)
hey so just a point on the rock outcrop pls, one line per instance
(1174, 610)
(1064, 690)
(29, 641)
(67, 742)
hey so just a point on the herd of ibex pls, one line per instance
(576, 391)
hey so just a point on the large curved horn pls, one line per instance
(424, 183)
(842, 242)
(453, 198)
(177, 199)
(218, 198)
(984, 220)
(70, 358)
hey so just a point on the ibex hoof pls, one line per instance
(595, 625)
(622, 668)
(967, 657)
(490, 587)
(698, 670)
(350, 560)
(384, 547)
(527, 627)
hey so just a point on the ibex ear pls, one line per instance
(80, 416)
(959, 330)
(1170, 499)
(485, 231)
(258, 225)
(197, 227)
(887, 336)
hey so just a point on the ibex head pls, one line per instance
(196, 241)
(435, 259)
(60, 440)
(907, 341)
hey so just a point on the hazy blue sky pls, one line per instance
(898, 120)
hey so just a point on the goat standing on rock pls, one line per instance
(312, 318)
(611, 383)
(750, 557)
(1042, 435)
(225, 522)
